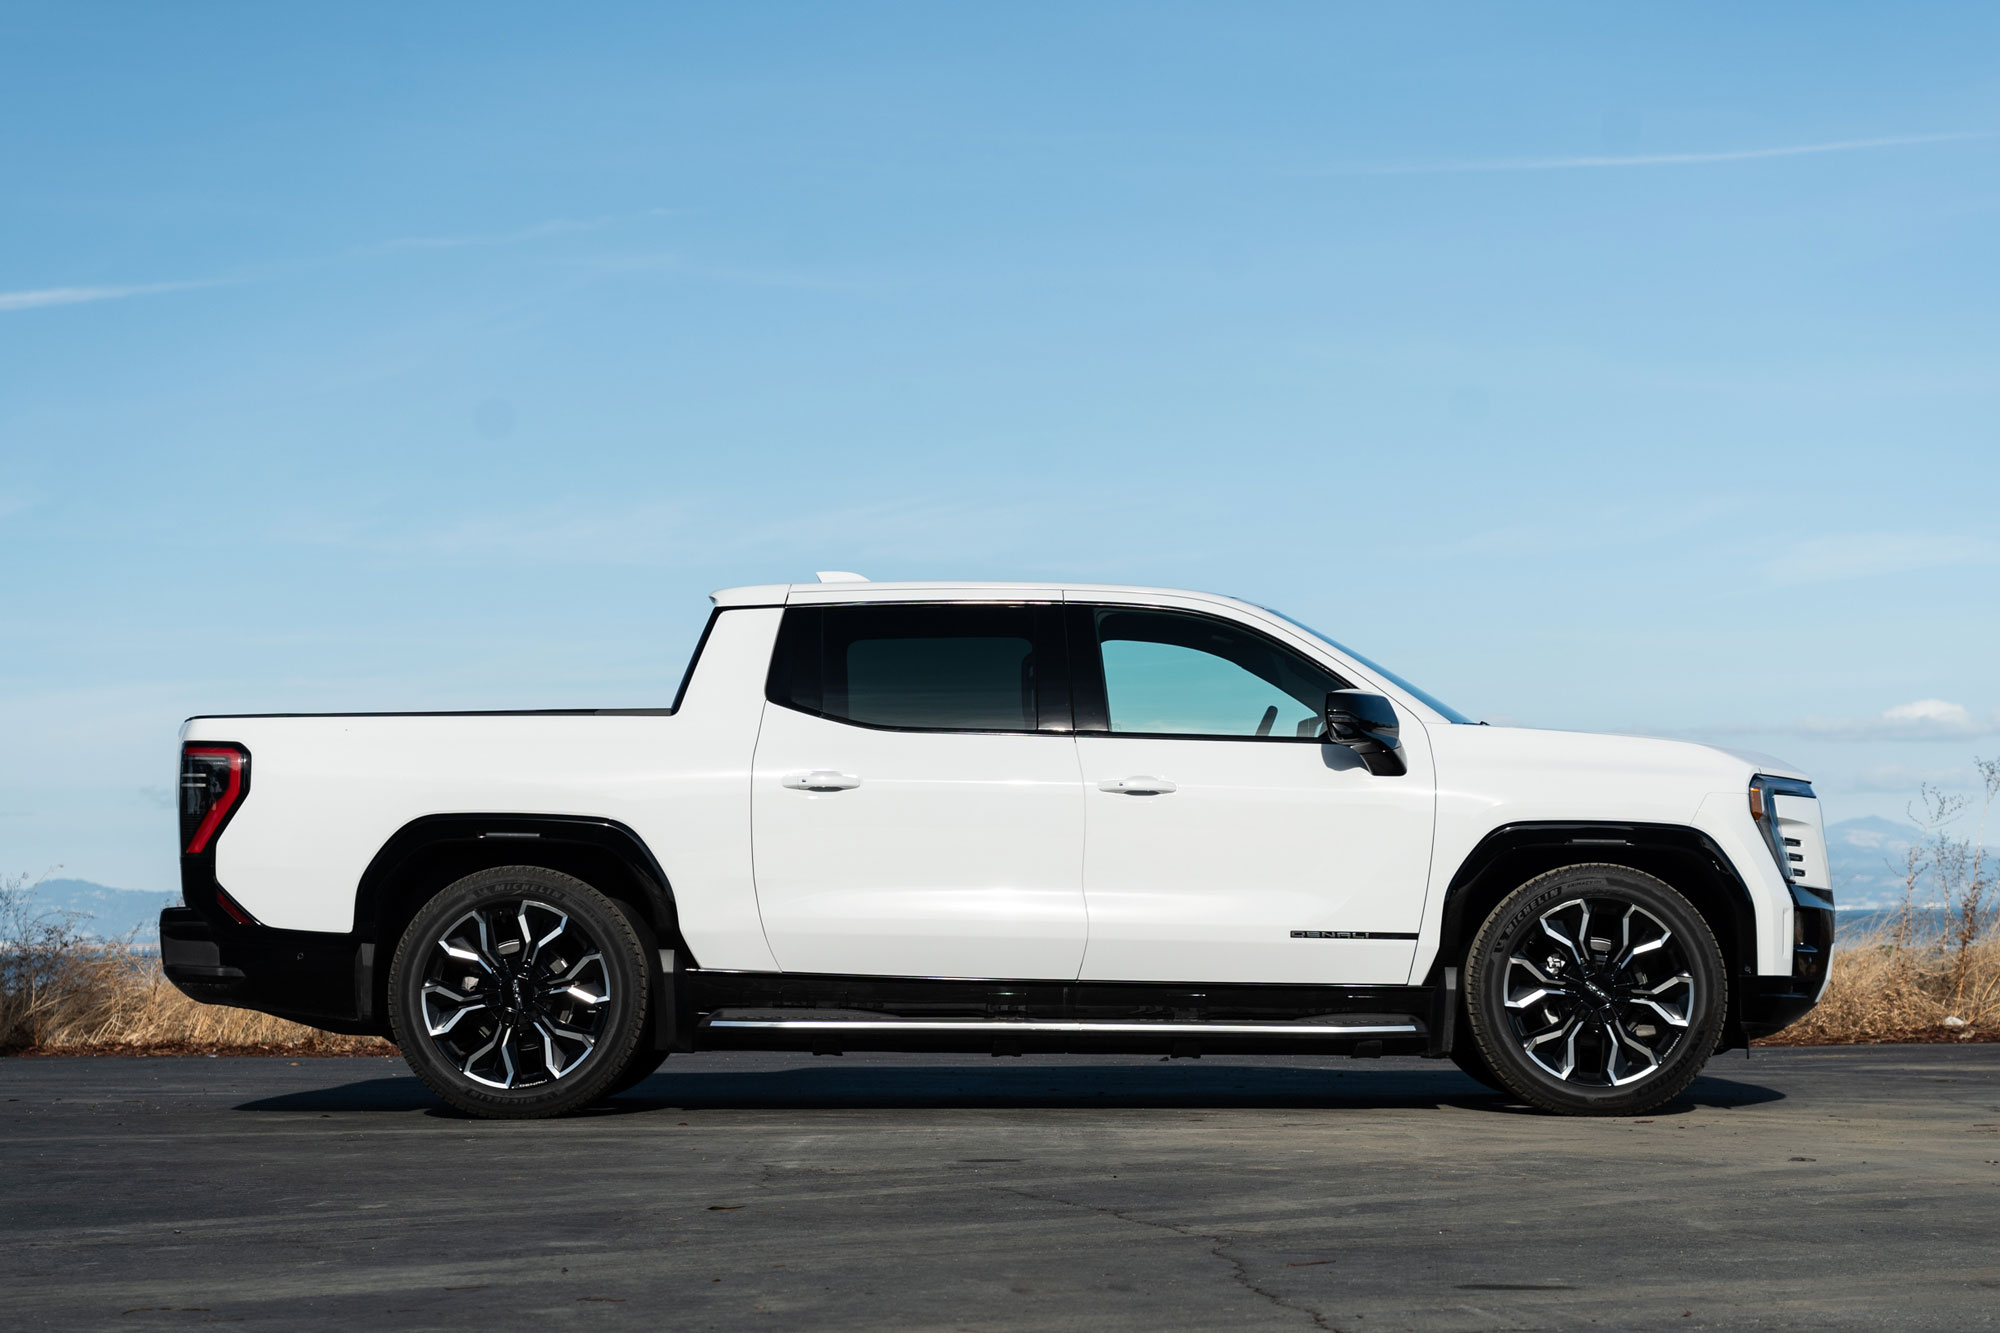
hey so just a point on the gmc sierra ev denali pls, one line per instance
(1005, 818)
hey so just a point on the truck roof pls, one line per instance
(853, 589)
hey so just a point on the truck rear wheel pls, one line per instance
(520, 993)
(1595, 990)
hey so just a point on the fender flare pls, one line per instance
(431, 846)
(1685, 857)
(501, 839)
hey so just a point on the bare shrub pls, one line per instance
(1880, 991)
(63, 990)
(1934, 973)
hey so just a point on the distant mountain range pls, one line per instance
(101, 911)
(1866, 854)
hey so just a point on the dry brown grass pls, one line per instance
(1883, 989)
(1932, 973)
(118, 1003)
(63, 992)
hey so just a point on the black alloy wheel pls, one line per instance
(520, 992)
(1595, 990)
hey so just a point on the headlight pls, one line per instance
(1791, 829)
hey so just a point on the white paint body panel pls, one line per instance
(955, 856)
(916, 872)
(327, 792)
(1489, 777)
(1256, 840)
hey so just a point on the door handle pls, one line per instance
(821, 779)
(1137, 786)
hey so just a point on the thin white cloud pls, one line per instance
(43, 297)
(674, 265)
(53, 296)
(1921, 720)
(539, 231)
(1862, 554)
(1906, 779)
(1878, 835)
(1618, 525)
(669, 532)
(1931, 710)
(1602, 161)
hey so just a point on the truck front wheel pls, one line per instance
(1595, 990)
(519, 993)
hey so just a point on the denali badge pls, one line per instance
(1354, 934)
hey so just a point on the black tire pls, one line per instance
(1595, 990)
(478, 1000)
(1465, 1054)
(644, 1061)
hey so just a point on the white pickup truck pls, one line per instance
(1005, 818)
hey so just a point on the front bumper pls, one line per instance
(325, 981)
(1771, 1004)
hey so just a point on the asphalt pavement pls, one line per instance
(1844, 1187)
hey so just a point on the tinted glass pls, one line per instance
(930, 668)
(1170, 673)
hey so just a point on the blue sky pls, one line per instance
(1623, 368)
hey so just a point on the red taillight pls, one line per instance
(213, 778)
(234, 908)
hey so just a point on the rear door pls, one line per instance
(916, 806)
(1225, 841)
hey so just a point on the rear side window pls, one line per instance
(924, 667)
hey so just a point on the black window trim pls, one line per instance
(1054, 698)
(1089, 702)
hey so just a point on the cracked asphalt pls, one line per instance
(1803, 1188)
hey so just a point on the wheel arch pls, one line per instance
(1685, 858)
(430, 853)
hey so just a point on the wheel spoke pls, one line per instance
(576, 969)
(1573, 946)
(1628, 950)
(503, 1043)
(527, 933)
(1569, 1048)
(1649, 999)
(1623, 1041)
(483, 954)
(551, 1034)
(1564, 1031)
(467, 1004)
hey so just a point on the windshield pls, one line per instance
(1444, 709)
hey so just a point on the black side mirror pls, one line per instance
(1366, 724)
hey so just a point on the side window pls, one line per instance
(1171, 673)
(917, 667)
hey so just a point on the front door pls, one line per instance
(916, 807)
(1225, 841)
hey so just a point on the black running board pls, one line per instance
(830, 1032)
(1340, 1025)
